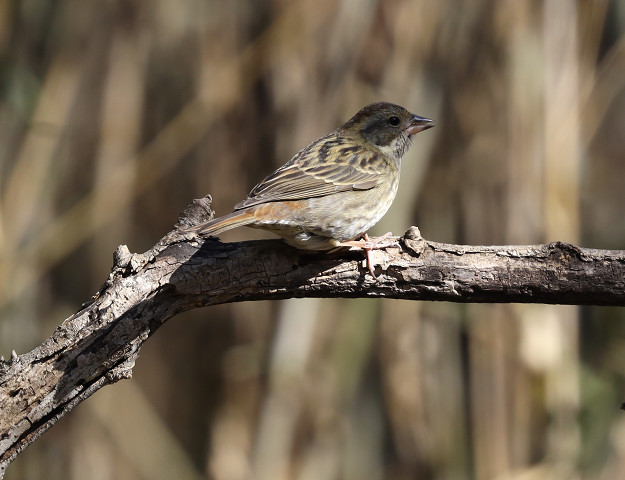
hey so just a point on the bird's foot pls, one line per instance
(368, 244)
(375, 243)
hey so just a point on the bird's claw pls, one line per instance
(367, 244)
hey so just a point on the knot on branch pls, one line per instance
(199, 211)
(566, 252)
(413, 241)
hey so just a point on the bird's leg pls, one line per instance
(368, 244)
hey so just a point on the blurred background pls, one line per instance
(115, 114)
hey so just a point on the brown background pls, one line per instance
(115, 114)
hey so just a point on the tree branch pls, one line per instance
(98, 345)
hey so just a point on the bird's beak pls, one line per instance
(418, 124)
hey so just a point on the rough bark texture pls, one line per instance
(98, 345)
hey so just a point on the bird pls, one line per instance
(334, 190)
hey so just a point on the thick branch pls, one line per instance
(99, 344)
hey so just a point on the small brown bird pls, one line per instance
(331, 192)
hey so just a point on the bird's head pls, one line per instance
(387, 126)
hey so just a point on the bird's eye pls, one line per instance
(393, 121)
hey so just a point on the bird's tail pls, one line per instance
(221, 224)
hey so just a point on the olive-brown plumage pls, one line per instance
(335, 189)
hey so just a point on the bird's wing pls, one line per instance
(328, 165)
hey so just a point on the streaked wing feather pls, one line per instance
(311, 173)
